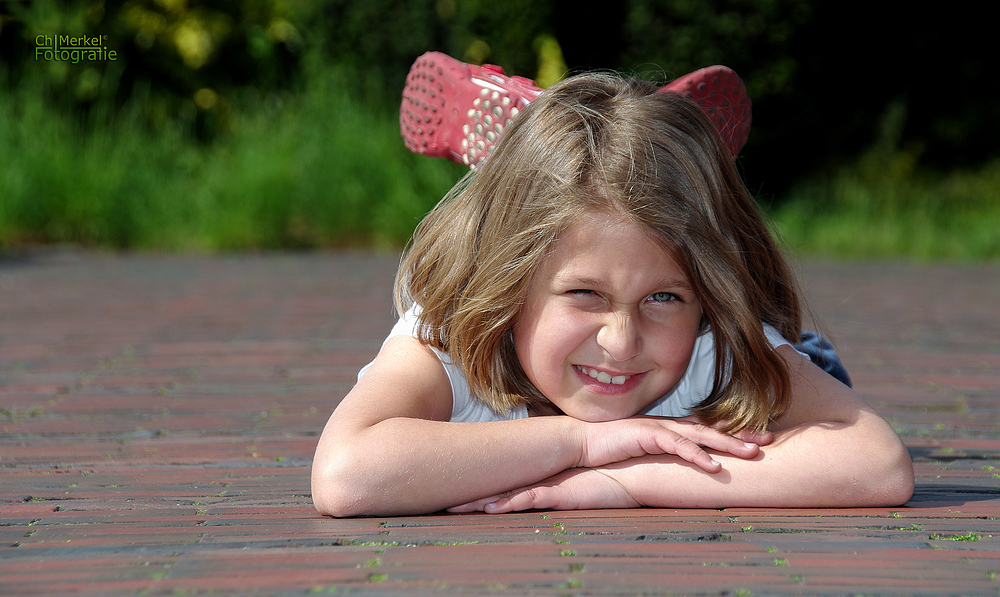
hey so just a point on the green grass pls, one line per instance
(323, 169)
(326, 167)
(956, 537)
(883, 206)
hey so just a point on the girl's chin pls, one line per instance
(601, 416)
(595, 402)
(596, 412)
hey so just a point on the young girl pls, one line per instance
(597, 318)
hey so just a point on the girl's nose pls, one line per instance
(619, 337)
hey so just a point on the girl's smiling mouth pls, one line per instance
(605, 382)
(602, 376)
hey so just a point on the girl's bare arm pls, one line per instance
(830, 450)
(389, 448)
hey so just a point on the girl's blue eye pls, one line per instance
(663, 297)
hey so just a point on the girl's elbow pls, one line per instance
(893, 490)
(330, 502)
(891, 481)
(902, 492)
(334, 492)
(886, 471)
(332, 506)
(899, 478)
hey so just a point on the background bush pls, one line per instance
(272, 123)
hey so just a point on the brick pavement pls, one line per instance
(160, 413)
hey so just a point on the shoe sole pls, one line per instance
(722, 95)
(459, 111)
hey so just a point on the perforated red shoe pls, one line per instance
(459, 111)
(722, 95)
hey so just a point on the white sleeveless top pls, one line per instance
(695, 385)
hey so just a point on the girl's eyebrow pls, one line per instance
(678, 283)
(599, 284)
(583, 281)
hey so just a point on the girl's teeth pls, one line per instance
(603, 377)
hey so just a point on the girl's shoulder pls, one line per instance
(775, 338)
(465, 407)
(404, 380)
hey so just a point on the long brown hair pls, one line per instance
(603, 142)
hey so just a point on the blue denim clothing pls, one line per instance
(822, 353)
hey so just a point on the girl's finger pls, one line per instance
(739, 446)
(476, 505)
(761, 438)
(541, 498)
(690, 445)
(689, 450)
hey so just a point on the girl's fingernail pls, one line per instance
(750, 444)
(714, 461)
(492, 506)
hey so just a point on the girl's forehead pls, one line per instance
(598, 239)
(595, 226)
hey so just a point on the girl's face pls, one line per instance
(609, 322)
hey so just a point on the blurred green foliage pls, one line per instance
(752, 36)
(181, 64)
(320, 170)
(385, 36)
(822, 73)
(880, 207)
(883, 204)
(282, 113)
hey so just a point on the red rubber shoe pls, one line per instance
(722, 95)
(459, 111)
